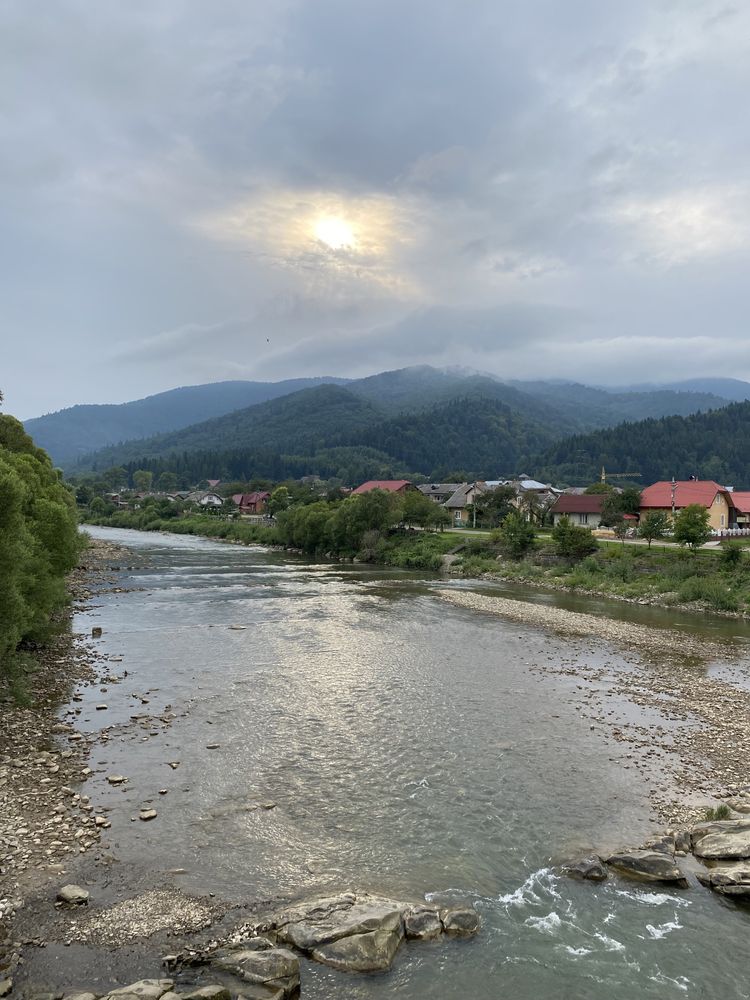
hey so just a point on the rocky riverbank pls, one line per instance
(46, 821)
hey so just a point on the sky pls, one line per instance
(196, 191)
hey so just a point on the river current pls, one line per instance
(409, 747)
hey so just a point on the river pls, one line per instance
(409, 747)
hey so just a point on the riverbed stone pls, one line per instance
(320, 924)
(591, 868)
(76, 996)
(722, 840)
(213, 992)
(373, 951)
(647, 866)
(144, 989)
(6, 986)
(72, 895)
(274, 968)
(422, 923)
(739, 805)
(460, 921)
(728, 880)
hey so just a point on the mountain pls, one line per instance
(331, 431)
(596, 407)
(299, 423)
(709, 445)
(69, 434)
(732, 389)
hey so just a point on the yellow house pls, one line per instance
(666, 496)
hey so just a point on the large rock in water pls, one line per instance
(358, 935)
(647, 866)
(591, 868)
(729, 880)
(275, 969)
(362, 933)
(144, 989)
(727, 839)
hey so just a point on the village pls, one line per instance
(480, 505)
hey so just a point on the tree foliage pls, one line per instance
(39, 541)
(571, 541)
(654, 525)
(515, 535)
(691, 526)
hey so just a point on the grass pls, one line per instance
(717, 812)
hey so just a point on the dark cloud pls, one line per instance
(536, 189)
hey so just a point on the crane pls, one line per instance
(618, 475)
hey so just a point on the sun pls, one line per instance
(334, 232)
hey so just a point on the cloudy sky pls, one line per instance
(197, 191)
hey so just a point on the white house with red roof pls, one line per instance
(584, 509)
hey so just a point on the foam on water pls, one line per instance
(546, 925)
(663, 929)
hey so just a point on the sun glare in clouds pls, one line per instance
(334, 232)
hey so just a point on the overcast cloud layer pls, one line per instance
(529, 188)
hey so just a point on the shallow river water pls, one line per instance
(410, 747)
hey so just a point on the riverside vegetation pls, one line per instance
(39, 545)
(406, 532)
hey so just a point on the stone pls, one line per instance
(215, 992)
(682, 841)
(147, 814)
(6, 987)
(422, 923)
(321, 925)
(96, 632)
(460, 921)
(647, 866)
(722, 839)
(590, 868)
(739, 805)
(72, 895)
(116, 779)
(146, 989)
(80, 996)
(370, 952)
(729, 880)
(665, 844)
(277, 968)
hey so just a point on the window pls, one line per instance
(583, 518)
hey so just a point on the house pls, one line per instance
(740, 512)
(668, 496)
(439, 492)
(584, 509)
(460, 504)
(213, 483)
(387, 485)
(206, 498)
(252, 503)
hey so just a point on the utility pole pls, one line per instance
(674, 490)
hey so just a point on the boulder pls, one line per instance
(275, 968)
(6, 987)
(373, 951)
(729, 880)
(718, 840)
(460, 921)
(647, 866)
(76, 996)
(665, 844)
(144, 989)
(422, 923)
(590, 868)
(72, 895)
(321, 925)
(215, 992)
(739, 805)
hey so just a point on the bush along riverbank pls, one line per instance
(371, 528)
(39, 545)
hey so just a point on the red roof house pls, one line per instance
(582, 508)
(685, 492)
(252, 503)
(387, 485)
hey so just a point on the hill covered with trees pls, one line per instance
(711, 445)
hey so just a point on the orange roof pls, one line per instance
(389, 485)
(741, 501)
(686, 492)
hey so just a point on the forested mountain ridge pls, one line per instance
(566, 408)
(70, 434)
(711, 445)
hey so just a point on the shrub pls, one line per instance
(731, 555)
(572, 542)
(717, 812)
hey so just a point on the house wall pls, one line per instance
(718, 513)
(590, 520)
